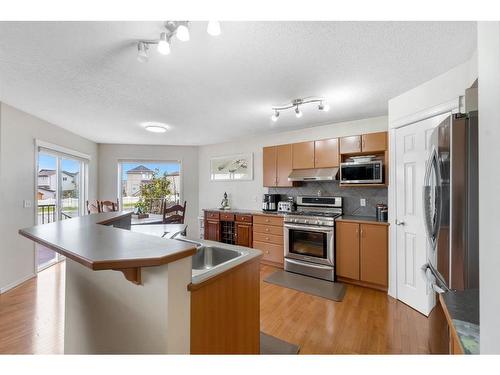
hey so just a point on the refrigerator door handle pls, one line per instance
(432, 198)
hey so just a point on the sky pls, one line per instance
(168, 167)
(49, 162)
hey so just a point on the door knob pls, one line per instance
(400, 222)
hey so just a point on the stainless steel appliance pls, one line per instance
(314, 174)
(270, 202)
(309, 236)
(361, 172)
(450, 199)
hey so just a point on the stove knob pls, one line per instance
(317, 222)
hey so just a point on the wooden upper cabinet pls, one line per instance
(374, 142)
(373, 254)
(283, 165)
(326, 153)
(347, 250)
(269, 158)
(303, 155)
(350, 145)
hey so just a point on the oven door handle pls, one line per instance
(309, 264)
(309, 227)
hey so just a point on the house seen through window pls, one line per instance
(134, 176)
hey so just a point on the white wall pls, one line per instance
(441, 89)
(248, 194)
(18, 131)
(110, 154)
(489, 184)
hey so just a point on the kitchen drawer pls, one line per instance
(244, 218)
(268, 220)
(268, 229)
(212, 215)
(226, 216)
(269, 238)
(272, 252)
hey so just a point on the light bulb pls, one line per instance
(275, 116)
(142, 52)
(213, 28)
(298, 112)
(182, 33)
(163, 44)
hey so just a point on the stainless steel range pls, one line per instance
(309, 236)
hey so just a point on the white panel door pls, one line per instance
(412, 246)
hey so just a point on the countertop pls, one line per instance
(246, 212)
(463, 310)
(91, 241)
(361, 219)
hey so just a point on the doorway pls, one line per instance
(60, 192)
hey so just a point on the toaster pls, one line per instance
(285, 206)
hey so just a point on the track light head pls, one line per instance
(275, 116)
(213, 28)
(182, 32)
(324, 107)
(142, 52)
(298, 112)
(164, 44)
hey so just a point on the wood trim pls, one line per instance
(270, 263)
(132, 274)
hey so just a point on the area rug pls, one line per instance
(273, 345)
(306, 284)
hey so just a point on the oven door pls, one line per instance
(309, 243)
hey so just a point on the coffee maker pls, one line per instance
(270, 202)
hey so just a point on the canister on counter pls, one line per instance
(381, 212)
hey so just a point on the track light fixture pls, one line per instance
(296, 103)
(163, 45)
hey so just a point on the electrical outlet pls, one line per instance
(362, 202)
(27, 203)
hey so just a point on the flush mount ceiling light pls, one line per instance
(296, 103)
(155, 127)
(178, 28)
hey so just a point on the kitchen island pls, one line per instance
(126, 292)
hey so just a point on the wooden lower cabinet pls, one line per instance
(225, 312)
(347, 254)
(212, 230)
(361, 254)
(243, 234)
(268, 237)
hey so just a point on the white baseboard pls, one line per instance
(16, 283)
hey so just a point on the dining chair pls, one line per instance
(174, 214)
(93, 207)
(109, 206)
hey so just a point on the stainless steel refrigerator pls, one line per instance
(451, 203)
(450, 199)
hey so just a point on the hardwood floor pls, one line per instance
(366, 321)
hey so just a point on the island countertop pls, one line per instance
(92, 241)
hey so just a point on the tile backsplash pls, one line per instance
(351, 195)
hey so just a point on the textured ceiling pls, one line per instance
(84, 76)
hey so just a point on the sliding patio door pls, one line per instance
(60, 194)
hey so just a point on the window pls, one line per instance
(134, 175)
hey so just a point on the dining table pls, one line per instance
(160, 230)
(151, 219)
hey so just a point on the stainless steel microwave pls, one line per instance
(357, 172)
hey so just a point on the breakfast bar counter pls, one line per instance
(145, 312)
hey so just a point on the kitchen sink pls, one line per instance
(208, 257)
